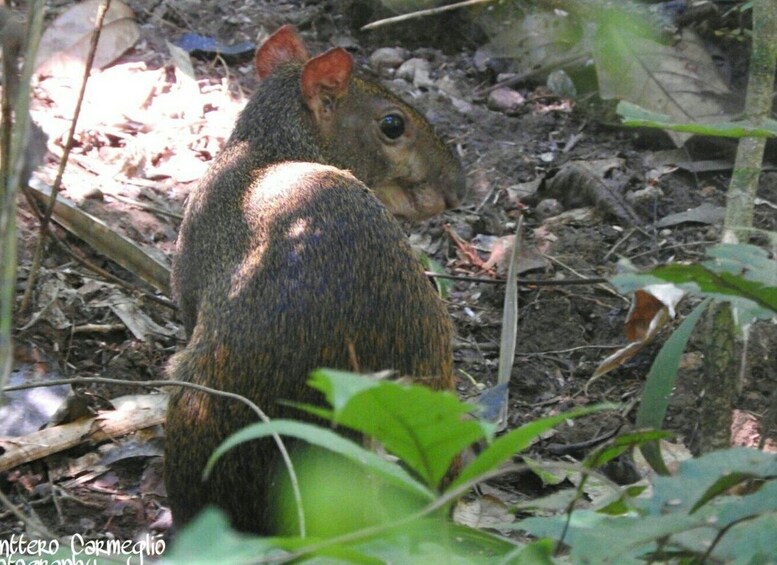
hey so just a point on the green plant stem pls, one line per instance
(721, 377)
(13, 165)
(720, 341)
(758, 105)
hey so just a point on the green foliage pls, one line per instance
(741, 274)
(516, 441)
(687, 515)
(442, 284)
(660, 381)
(636, 116)
(382, 512)
(425, 429)
(315, 435)
(675, 80)
(360, 508)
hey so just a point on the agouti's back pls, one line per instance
(286, 264)
(313, 110)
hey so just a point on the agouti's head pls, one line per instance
(363, 127)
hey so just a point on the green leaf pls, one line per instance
(678, 520)
(420, 541)
(753, 262)
(328, 440)
(209, 539)
(636, 116)
(444, 285)
(516, 441)
(699, 480)
(720, 285)
(601, 538)
(426, 429)
(620, 444)
(538, 552)
(660, 382)
(751, 542)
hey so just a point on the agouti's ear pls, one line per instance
(283, 46)
(324, 79)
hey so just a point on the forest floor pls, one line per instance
(146, 136)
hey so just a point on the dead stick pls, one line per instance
(422, 13)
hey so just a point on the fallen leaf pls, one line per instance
(64, 45)
(705, 214)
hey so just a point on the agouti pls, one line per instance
(287, 263)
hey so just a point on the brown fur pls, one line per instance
(285, 265)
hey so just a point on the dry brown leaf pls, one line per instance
(65, 43)
(652, 308)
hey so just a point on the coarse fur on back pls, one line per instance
(287, 262)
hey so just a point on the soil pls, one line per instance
(151, 149)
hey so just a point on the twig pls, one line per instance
(146, 207)
(526, 282)
(422, 13)
(224, 394)
(27, 522)
(523, 77)
(571, 270)
(102, 10)
(65, 248)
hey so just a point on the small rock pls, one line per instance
(462, 106)
(548, 208)
(505, 100)
(388, 58)
(504, 77)
(344, 41)
(647, 194)
(94, 194)
(416, 71)
(447, 85)
(547, 157)
(561, 84)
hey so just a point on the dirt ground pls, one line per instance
(148, 135)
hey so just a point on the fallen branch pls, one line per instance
(132, 413)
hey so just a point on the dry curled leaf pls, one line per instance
(65, 43)
(652, 308)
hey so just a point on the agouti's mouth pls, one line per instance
(414, 202)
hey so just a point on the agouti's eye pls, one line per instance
(392, 125)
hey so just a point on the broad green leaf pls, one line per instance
(660, 382)
(326, 439)
(678, 78)
(600, 538)
(685, 514)
(636, 116)
(750, 542)
(724, 285)
(426, 429)
(209, 539)
(697, 480)
(539, 552)
(753, 262)
(516, 441)
(419, 542)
